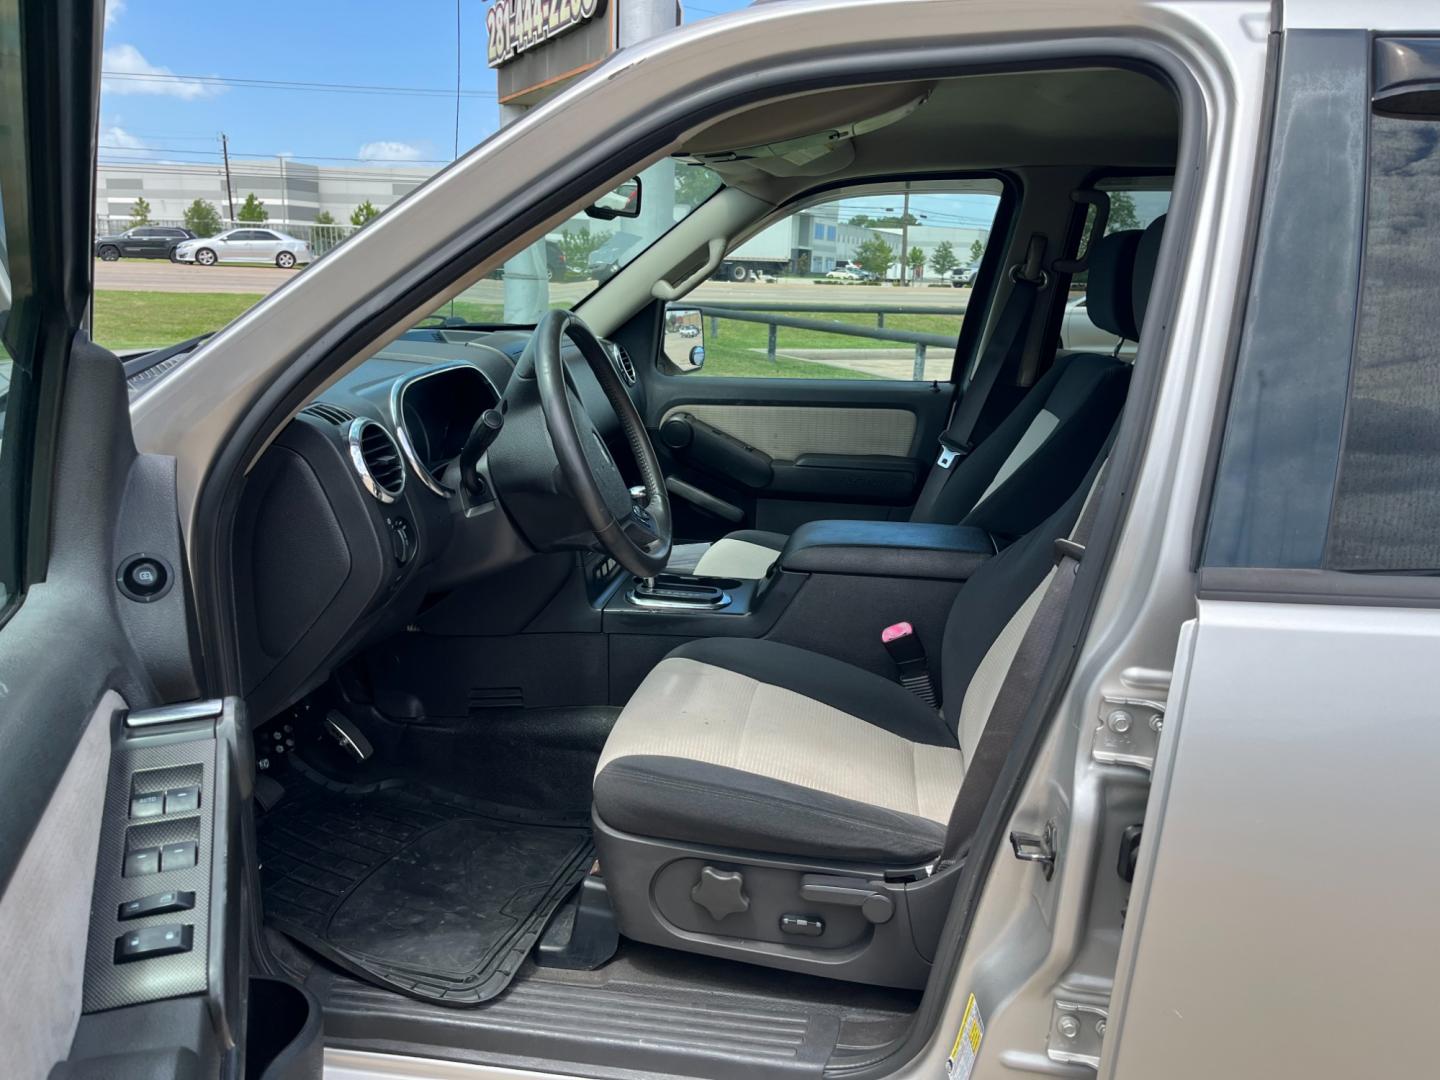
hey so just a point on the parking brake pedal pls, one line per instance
(351, 739)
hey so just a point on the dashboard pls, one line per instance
(357, 515)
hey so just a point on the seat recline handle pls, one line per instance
(871, 898)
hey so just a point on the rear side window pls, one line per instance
(1387, 501)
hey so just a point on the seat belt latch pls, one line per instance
(903, 645)
(949, 454)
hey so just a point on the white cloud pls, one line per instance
(126, 60)
(115, 137)
(388, 150)
(113, 10)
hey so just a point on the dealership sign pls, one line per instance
(517, 26)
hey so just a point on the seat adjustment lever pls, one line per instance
(874, 903)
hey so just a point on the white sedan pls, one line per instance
(245, 246)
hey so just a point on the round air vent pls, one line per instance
(623, 362)
(376, 457)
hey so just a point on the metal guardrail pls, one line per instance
(768, 314)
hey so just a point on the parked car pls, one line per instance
(607, 259)
(1079, 334)
(248, 245)
(962, 277)
(142, 242)
(844, 273)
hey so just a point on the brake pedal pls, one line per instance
(345, 732)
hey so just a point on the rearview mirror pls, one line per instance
(685, 338)
(622, 202)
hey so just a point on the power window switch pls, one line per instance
(152, 941)
(148, 805)
(157, 904)
(179, 856)
(182, 800)
(142, 861)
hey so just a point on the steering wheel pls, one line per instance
(634, 528)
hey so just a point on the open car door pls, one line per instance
(119, 911)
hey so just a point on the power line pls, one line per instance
(258, 154)
(282, 84)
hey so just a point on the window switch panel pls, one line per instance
(157, 904)
(152, 941)
(142, 861)
(179, 856)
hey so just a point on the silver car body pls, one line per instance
(248, 244)
(1079, 334)
(1277, 925)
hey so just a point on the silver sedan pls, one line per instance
(249, 245)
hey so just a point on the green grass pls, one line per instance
(739, 349)
(139, 320)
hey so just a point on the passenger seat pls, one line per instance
(1023, 471)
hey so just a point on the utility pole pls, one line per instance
(904, 235)
(284, 195)
(229, 192)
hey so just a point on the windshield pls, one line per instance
(581, 254)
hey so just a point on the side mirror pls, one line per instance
(622, 202)
(684, 340)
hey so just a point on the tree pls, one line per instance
(202, 218)
(977, 250)
(364, 213)
(140, 212)
(253, 211)
(1122, 213)
(884, 221)
(916, 259)
(943, 261)
(326, 233)
(874, 256)
(693, 185)
(578, 245)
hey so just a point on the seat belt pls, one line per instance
(1018, 690)
(1009, 333)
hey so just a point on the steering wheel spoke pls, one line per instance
(638, 534)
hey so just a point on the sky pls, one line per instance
(148, 111)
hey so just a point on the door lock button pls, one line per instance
(157, 904)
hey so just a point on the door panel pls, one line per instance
(822, 449)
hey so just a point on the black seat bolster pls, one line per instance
(852, 690)
(672, 798)
(896, 549)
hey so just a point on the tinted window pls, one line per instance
(1387, 501)
(261, 234)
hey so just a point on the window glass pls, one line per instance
(580, 254)
(861, 287)
(1387, 501)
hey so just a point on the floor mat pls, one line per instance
(411, 890)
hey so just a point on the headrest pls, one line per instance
(1109, 299)
(1145, 258)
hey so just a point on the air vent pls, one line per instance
(331, 414)
(623, 362)
(376, 457)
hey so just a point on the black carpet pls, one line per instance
(413, 890)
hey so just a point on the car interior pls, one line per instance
(624, 709)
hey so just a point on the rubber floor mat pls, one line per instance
(413, 892)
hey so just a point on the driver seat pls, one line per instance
(762, 802)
